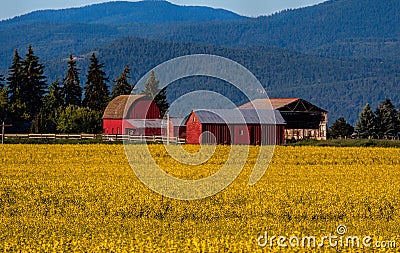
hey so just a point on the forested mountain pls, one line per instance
(122, 12)
(339, 28)
(343, 87)
(328, 28)
(340, 54)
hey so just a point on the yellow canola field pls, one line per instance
(86, 198)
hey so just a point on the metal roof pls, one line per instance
(178, 121)
(234, 116)
(282, 104)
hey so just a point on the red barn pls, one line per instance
(231, 126)
(131, 110)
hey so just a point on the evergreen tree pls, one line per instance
(2, 81)
(398, 123)
(96, 89)
(33, 84)
(366, 125)
(341, 129)
(17, 106)
(122, 86)
(3, 99)
(46, 120)
(72, 90)
(54, 98)
(153, 91)
(386, 119)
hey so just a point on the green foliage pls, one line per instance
(398, 122)
(54, 98)
(72, 90)
(3, 101)
(386, 119)
(79, 120)
(96, 89)
(153, 91)
(122, 86)
(340, 129)
(46, 120)
(14, 81)
(367, 124)
(33, 84)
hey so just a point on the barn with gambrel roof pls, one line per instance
(136, 113)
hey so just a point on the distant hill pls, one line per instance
(122, 12)
(340, 28)
(342, 87)
(337, 28)
(339, 54)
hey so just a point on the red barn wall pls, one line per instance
(241, 135)
(144, 109)
(221, 133)
(112, 126)
(193, 130)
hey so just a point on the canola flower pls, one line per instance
(86, 198)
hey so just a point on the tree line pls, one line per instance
(384, 123)
(29, 104)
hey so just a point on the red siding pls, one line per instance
(193, 130)
(144, 109)
(221, 133)
(112, 126)
(241, 135)
(180, 131)
(235, 134)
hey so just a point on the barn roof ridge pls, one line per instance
(116, 108)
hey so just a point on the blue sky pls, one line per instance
(245, 7)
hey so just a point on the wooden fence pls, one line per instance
(143, 139)
(104, 137)
(52, 136)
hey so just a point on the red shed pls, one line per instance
(232, 126)
(128, 107)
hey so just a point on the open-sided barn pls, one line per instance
(231, 126)
(303, 119)
(139, 109)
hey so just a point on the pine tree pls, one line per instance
(386, 119)
(3, 99)
(2, 81)
(153, 91)
(96, 89)
(17, 106)
(54, 98)
(72, 90)
(46, 120)
(122, 86)
(33, 84)
(341, 129)
(366, 125)
(398, 123)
